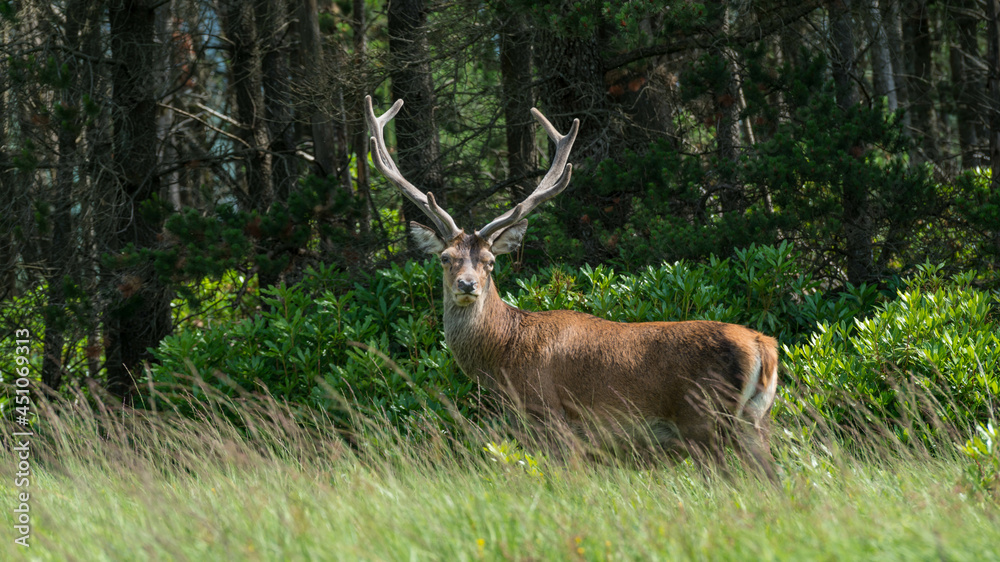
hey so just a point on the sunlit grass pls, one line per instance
(113, 487)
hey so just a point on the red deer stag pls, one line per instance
(696, 381)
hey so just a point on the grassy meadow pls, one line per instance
(164, 487)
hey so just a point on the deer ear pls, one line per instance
(509, 238)
(426, 238)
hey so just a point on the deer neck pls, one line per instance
(480, 334)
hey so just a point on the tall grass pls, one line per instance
(255, 479)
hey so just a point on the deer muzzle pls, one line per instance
(466, 291)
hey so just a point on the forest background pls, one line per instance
(220, 338)
(186, 187)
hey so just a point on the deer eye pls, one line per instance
(490, 263)
(445, 260)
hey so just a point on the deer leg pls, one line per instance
(752, 446)
(702, 442)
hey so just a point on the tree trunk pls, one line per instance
(892, 23)
(515, 73)
(166, 28)
(272, 22)
(417, 145)
(97, 222)
(966, 80)
(842, 39)
(140, 314)
(727, 127)
(993, 63)
(883, 81)
(246, 26)
(572, 86)
(241, 29)
(916, 27)
(59, 258)
(357, 129)
(321, 123)
(8, 203)
(854, 195)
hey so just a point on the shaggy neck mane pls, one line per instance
(480, 335)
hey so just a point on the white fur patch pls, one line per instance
(750, 387)
(509, 239)
(757, 406)
(427, 240)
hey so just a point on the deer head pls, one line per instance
(468, 258)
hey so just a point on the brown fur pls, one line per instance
(695, 376)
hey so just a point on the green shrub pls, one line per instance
(983, 452)
(380, 345)
(936, 344)
(929, 355)
(31, 311)
(976, 206)
(760, 287)
(510, 456)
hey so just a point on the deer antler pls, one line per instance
(380, 155)
(555, 180)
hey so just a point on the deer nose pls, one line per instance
(465, 286)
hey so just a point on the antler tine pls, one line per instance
(380, 156)
(555, 180)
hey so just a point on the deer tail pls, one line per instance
(762, 384)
